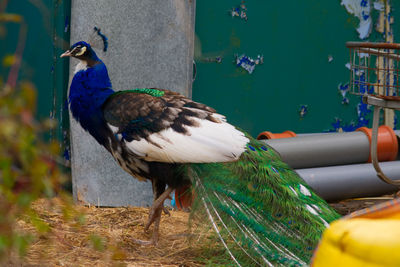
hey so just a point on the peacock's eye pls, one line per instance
(80, 50)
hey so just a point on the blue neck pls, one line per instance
(89, 90)
(91, 55)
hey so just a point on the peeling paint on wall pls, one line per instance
(379, 5)
(363, 110)
(340, 126)
(361, 9)
(239, 11)
(217, 59)
(303, 110)
(248, 63)
(66, 24)
(384, 17)
(344, 89)
(384, 26)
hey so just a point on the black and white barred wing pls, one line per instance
(172, 129)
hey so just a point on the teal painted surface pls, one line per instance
(47, 37)
(296, 38)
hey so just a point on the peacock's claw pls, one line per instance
(151, 242)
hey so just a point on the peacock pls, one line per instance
(262, 211)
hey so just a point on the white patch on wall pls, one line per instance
(379, 5)
(361, 9)
(363, 55)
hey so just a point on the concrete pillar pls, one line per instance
(150, 45)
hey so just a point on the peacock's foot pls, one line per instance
(155, 218)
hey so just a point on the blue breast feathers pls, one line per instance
(89, 90)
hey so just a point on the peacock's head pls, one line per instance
(81, 50)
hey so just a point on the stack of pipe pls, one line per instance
(336, 165)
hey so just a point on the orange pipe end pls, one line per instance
(387, 142)
(269, 135)
(183, 197)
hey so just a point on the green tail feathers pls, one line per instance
(261, 209)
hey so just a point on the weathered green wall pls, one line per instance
(296, 38)
(47, 37)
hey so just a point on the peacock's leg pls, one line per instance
(156, 221)
(160, 194)
(157, 208)
(154, 238)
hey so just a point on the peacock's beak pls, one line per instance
(66, 54)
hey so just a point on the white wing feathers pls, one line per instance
(209, 142)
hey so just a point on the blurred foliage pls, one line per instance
(31, 168)
(28, 168)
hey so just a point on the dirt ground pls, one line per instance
(105, 237)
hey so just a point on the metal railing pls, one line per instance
(374, 74)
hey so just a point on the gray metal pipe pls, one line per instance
(328, 149)
(350, 181)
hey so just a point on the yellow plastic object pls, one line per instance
(360, 242)
(370, 237)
